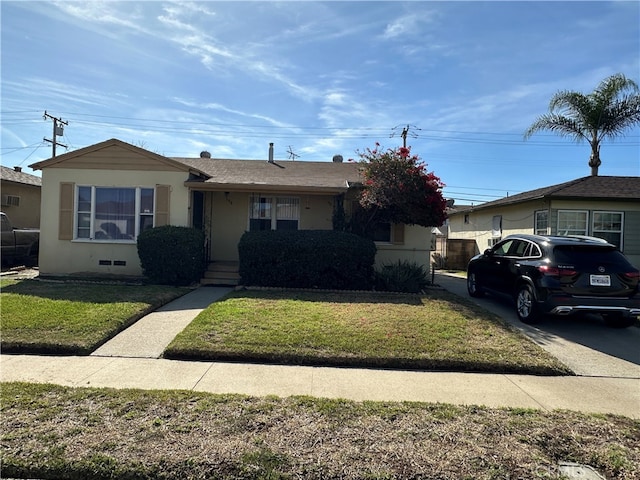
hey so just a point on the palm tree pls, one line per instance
(607, 112)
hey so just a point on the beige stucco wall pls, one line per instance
(229, 219)
(226, 219)
(515, 219)
(64, 257)
(27, 214)
(228, 216)
(416, 248)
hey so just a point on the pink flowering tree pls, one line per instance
(398, 188)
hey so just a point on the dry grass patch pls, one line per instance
(58, 432)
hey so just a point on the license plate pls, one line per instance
(601, 280)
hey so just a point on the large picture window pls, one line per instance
(573, 222)
(113, 213)
(274, 213)
(608, 225)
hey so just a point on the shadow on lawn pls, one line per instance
(334, 296)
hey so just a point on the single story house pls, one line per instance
(601, 206)
(97, 199)
(20, 197)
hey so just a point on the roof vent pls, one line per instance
(205, 154)
(271, 152)
(17, 169)
(337, 159)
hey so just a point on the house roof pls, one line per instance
(221, 174)
(278, 175)
(11, 175)
(591, 187)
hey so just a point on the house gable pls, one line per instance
(113, 155)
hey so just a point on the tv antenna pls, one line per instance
(292, 156)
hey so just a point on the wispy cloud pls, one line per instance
(242, 115)
(106, 13)
(408, 25)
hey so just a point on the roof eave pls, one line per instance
(262, 187)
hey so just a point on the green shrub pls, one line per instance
(172, 255)
(402, 276)
(307, 259)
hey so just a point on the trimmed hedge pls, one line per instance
(307, 259)
(172, 255)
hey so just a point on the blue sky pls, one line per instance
(318, 79)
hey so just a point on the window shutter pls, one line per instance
(65, 219)
(163, 193)
(398, 234)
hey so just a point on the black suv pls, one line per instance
(559, 276)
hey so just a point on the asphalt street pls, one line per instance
(584, 343)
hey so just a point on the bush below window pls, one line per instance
(307, 259)
(402, 276)
(172, 255)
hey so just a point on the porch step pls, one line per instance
(221, 273)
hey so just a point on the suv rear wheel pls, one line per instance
(526, 307)
(472, 285)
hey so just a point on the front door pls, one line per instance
(197, 210)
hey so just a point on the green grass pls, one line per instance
(433, 331)
(58, 317)
(437, 330)
(59, 432)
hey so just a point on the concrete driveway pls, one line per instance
(584, 344)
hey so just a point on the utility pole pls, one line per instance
(405, 133)
(58, 130)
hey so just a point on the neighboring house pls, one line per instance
(599, 206)
(449, 253)
(20, 197)
(96, 200)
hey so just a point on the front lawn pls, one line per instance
(72, 318)
(59, 432)
(437, 330)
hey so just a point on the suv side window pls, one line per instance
(534, 251)
(502, 249)
(518, 248)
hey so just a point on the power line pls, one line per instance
(276, 131)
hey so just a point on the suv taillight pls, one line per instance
(632, 275)
(550, 271)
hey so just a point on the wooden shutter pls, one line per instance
(65, 218)
(163, 195)
(397, 233)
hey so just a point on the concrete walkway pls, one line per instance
(117, 364)
(149, 336)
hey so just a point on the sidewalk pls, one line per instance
(113, 365)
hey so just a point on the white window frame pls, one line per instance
(92, 213)
(539, 231)
(274, 201)
(574, 231)
(620, 232)
(496, 226)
